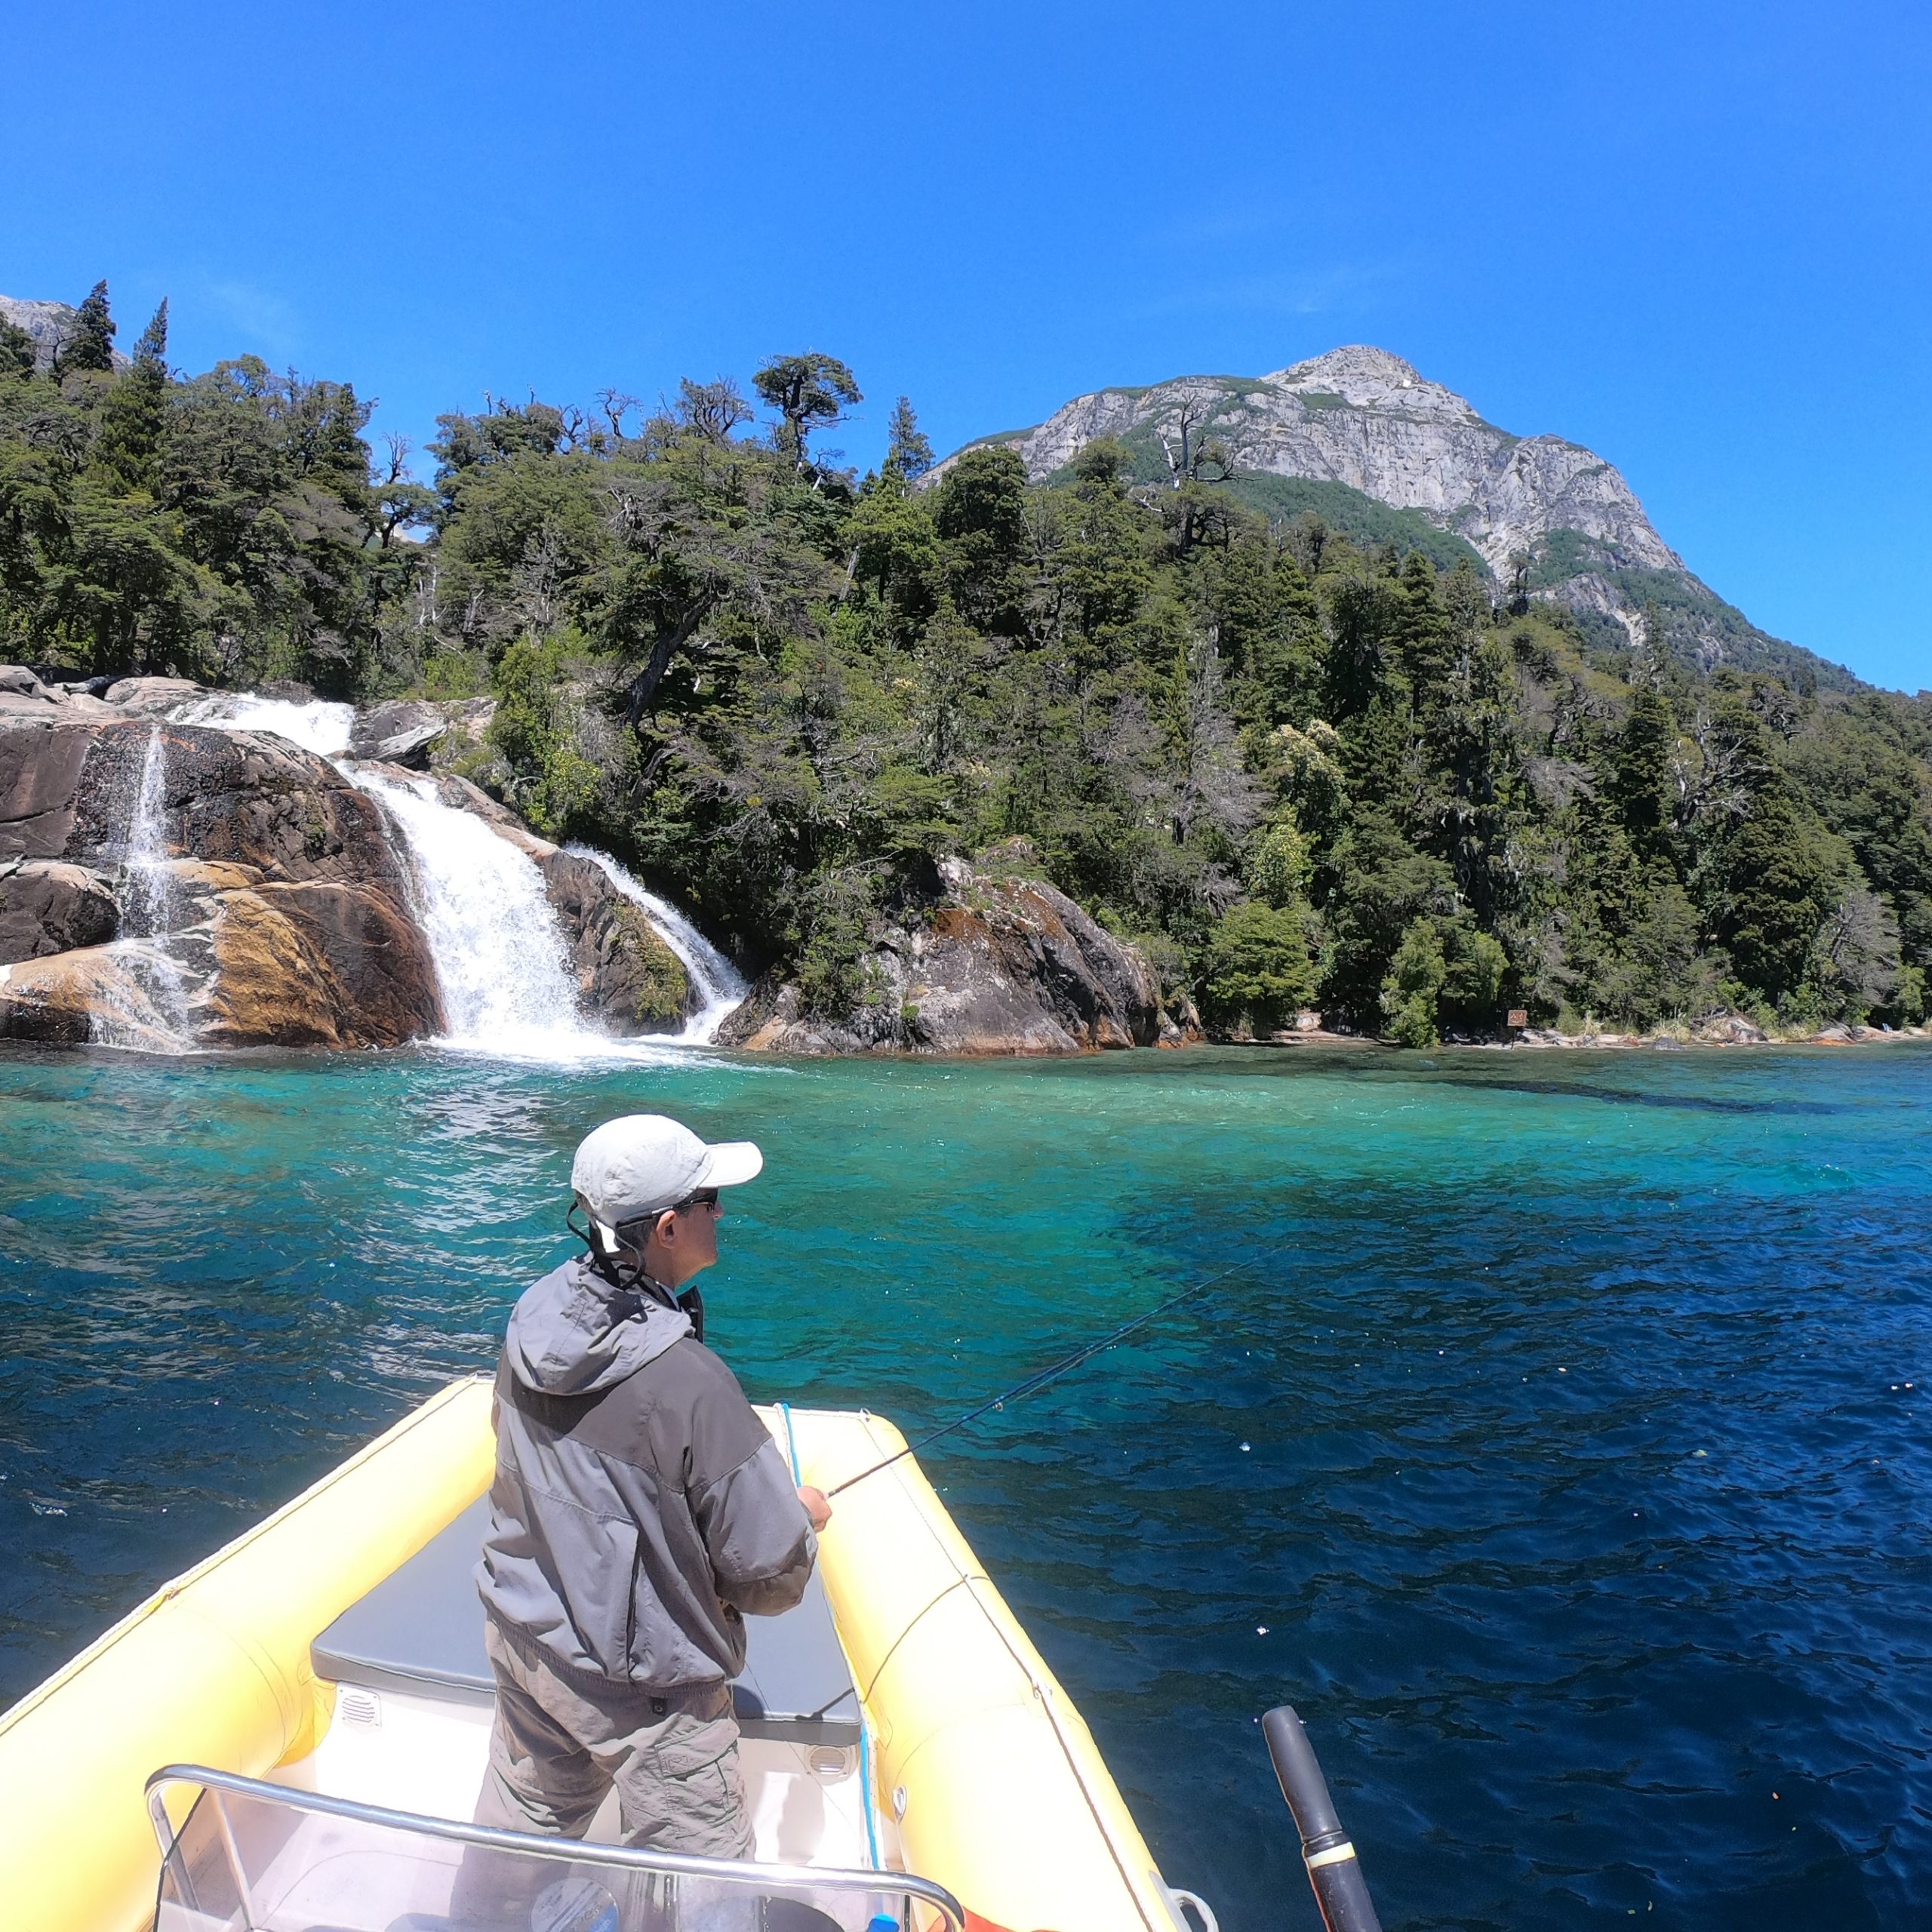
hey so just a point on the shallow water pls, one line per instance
(1561, 1455)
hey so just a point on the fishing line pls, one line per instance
(1055, 1370)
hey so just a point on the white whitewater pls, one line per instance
(148, 903)
(492, 931)
(720, 987)
(318, 726)
(493, 934)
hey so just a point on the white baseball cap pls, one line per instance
(642, 1164)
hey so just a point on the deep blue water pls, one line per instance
(1561, 1454)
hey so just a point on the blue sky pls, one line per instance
(1694, 238)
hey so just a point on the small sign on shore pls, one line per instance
(1519, 1016)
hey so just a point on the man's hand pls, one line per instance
(817, 1507)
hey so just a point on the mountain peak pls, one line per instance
(1370, 378)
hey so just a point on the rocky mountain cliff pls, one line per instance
(1362, 439)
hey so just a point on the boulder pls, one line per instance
(273, 908)
(47, 906)
(103, 993)
(40, 763)
(318, 963)
(249, 797)
(399, 732)
(152, 697)
(1002, 965)
(1728, 1029)
(626, 976)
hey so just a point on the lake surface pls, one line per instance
(1561, 1453)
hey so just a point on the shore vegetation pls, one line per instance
(1305, 766)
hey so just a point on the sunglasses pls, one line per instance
(705, 1197)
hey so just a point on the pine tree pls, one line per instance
(136, 409)
(151, 351)
(910, 453)
(90, 346)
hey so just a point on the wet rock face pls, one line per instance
(625, 975)
(1003, 965)
(318, 963)
(268, 907)
(47, 906)
(246, 799)
(41, 760)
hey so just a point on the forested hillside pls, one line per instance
(1300, 771)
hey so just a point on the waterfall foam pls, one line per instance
(720, 987)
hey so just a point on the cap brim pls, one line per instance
(729, 1163)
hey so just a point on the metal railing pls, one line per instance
(762, 1878)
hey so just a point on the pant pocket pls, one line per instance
(688, 1743)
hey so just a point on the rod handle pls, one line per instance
(1341, 1893)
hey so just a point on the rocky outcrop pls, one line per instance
(1363, 418)
(1004, 964)
(48, 906)
(258, 901)
(625, 973)
(400, 733)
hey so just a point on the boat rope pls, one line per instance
(1054, 1370)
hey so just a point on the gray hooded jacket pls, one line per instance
(639, 1507)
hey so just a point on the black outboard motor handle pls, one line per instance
(1340, 1891)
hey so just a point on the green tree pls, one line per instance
(1258, 971)
(810, 391)
(1413, 986)
(980, 515)
(910, 452)
(1641, 768)
(16, 349)
(133, 417)
(89, 343)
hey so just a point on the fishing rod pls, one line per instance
(1054, 1372)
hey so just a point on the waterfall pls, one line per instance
(493, 934)
(720, 987)
(492, 931)
(148, 907)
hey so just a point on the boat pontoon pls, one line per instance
(301, 1721)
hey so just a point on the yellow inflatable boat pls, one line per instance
(300, 1720)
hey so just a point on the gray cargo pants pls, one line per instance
(555, 1753)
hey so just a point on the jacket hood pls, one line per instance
(572, 1332)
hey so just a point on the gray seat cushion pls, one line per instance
(421, 1630)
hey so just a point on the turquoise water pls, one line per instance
(1561, 1455)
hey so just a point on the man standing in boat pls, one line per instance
(640, 1512)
